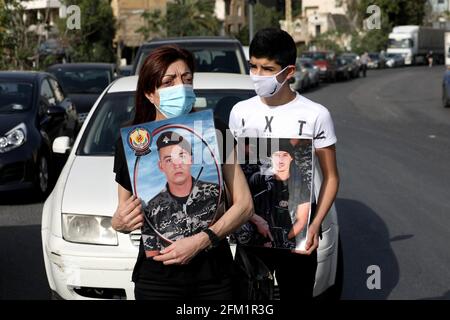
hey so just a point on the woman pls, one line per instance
(184, 270)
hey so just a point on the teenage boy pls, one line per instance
(277, 111)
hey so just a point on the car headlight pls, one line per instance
(13, 138)
(88, 229)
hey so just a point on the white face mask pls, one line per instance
(267, 86)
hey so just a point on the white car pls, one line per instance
(84, 257)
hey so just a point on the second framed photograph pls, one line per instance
(279, 173)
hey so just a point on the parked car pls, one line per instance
(246, 52)
(313, 71)
(125, 71)
(55, 48)
(84, 257)
(377, 61)
(354, 60)
(394, 60)
(84, 82)
(344, 69)
(325, 61)
(301, 81)
(34, 110)
(212, 54)
(446, 90)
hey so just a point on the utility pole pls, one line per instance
(288, 11)
(251, 32)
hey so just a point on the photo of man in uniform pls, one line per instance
(281, 200)
(171, 211)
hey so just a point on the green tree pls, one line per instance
(154, 23)
(93, 43)
(328, 41)
(18, 46)
(263, 17)
(393, 13)
(191, 18)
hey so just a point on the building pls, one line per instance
(235, 15)
(321, 16)
(438, 14)
(39, 14)
(128, 14)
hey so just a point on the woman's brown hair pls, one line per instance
(150, 77)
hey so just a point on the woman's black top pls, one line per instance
(214, 264)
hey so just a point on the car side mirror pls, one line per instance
(56, 111)
(61, 145)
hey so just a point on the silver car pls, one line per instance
(313, 70)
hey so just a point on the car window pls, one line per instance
(209, 57)
(15, 96)
(117, 110)
(47, 94)
(59, 94)
(83, 80)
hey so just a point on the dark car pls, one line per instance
(84, 82)
(354, 60)
(377, 60)
(353, 65)
(54, 48)
(34, 110)
(446, 90)
(344, 69)
(325, 61)
(212, 54)
(125, 71)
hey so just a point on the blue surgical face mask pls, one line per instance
(176, 100)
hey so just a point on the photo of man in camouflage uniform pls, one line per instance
(186, 205)
(281, 200)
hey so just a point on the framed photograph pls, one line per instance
(175, 169)
(279, 173)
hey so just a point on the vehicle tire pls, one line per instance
(445, 101)
(55, 296)
(334, 292)
(43, 175)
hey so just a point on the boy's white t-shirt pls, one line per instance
(299, 118)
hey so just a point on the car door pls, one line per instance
(63, 101)
(51, 116)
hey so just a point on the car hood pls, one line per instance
(90, 187)
(10, 120)
(83, 101)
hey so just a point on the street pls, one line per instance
(393, 154)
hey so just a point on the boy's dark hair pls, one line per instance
(274, 44)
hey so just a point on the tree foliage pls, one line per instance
(263, 17)
(154, 23)
(191, 18)
(93, 43)
(18, 46)
(393, 13)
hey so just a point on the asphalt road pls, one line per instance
(393, 204)
(394, 201)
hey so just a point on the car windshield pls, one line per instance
(402, 43)
(15, 96)
(209, 57)
(83, 80)
(117, 110)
